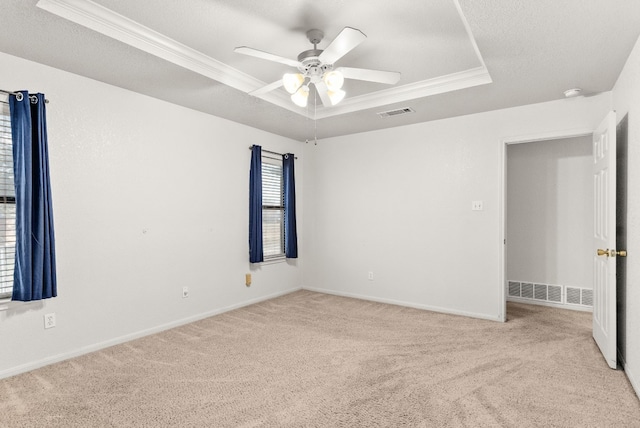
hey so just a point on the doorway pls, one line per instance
(621, 166)
(547, 220)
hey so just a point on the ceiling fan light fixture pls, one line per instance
(336, 96)
(292, 82)
(301, 96)
(334, 80)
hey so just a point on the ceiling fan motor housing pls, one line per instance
(311, 64)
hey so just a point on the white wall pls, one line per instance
(148, 197)
(397, 202)
(626, 100)
(549, 212)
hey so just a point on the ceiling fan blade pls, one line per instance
(379, 76)
(266, 55)
(348, 39)
(323, 92)
(270, 87)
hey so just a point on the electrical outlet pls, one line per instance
(185, 292)
(370, 276)
(476, 206)
(49, 320)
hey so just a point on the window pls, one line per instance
(7, 205)
(272, 208)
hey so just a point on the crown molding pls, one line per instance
(105, 21)
(425, 88)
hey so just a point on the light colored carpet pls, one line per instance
(314, 360)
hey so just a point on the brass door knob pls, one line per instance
(612, 253)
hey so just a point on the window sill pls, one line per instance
(273, 260)
(4, 303)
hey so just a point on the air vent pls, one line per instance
(550, 293)
(514, 289)
(527, 290)
(396, 112)
(587, 297)
(555, 293)
(540, 291)
(573, 295)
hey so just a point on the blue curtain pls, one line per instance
(290, 235)
(35, 266)
(255, 206)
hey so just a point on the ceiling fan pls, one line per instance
(316, 66)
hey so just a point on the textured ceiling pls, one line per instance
(532, 52)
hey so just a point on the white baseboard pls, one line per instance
(551, 304)
(630, 373)
(438, 309)
(132, 336)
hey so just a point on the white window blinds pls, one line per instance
(272, 208)
(7, 205)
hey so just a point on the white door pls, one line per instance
(604, 239)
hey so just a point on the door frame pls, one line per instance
(519, 139)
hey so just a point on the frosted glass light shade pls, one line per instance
(336, 96)
(334, 80)
(292, 82)
(301, 96)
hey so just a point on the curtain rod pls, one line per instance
(273, 153)
(18, 96)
